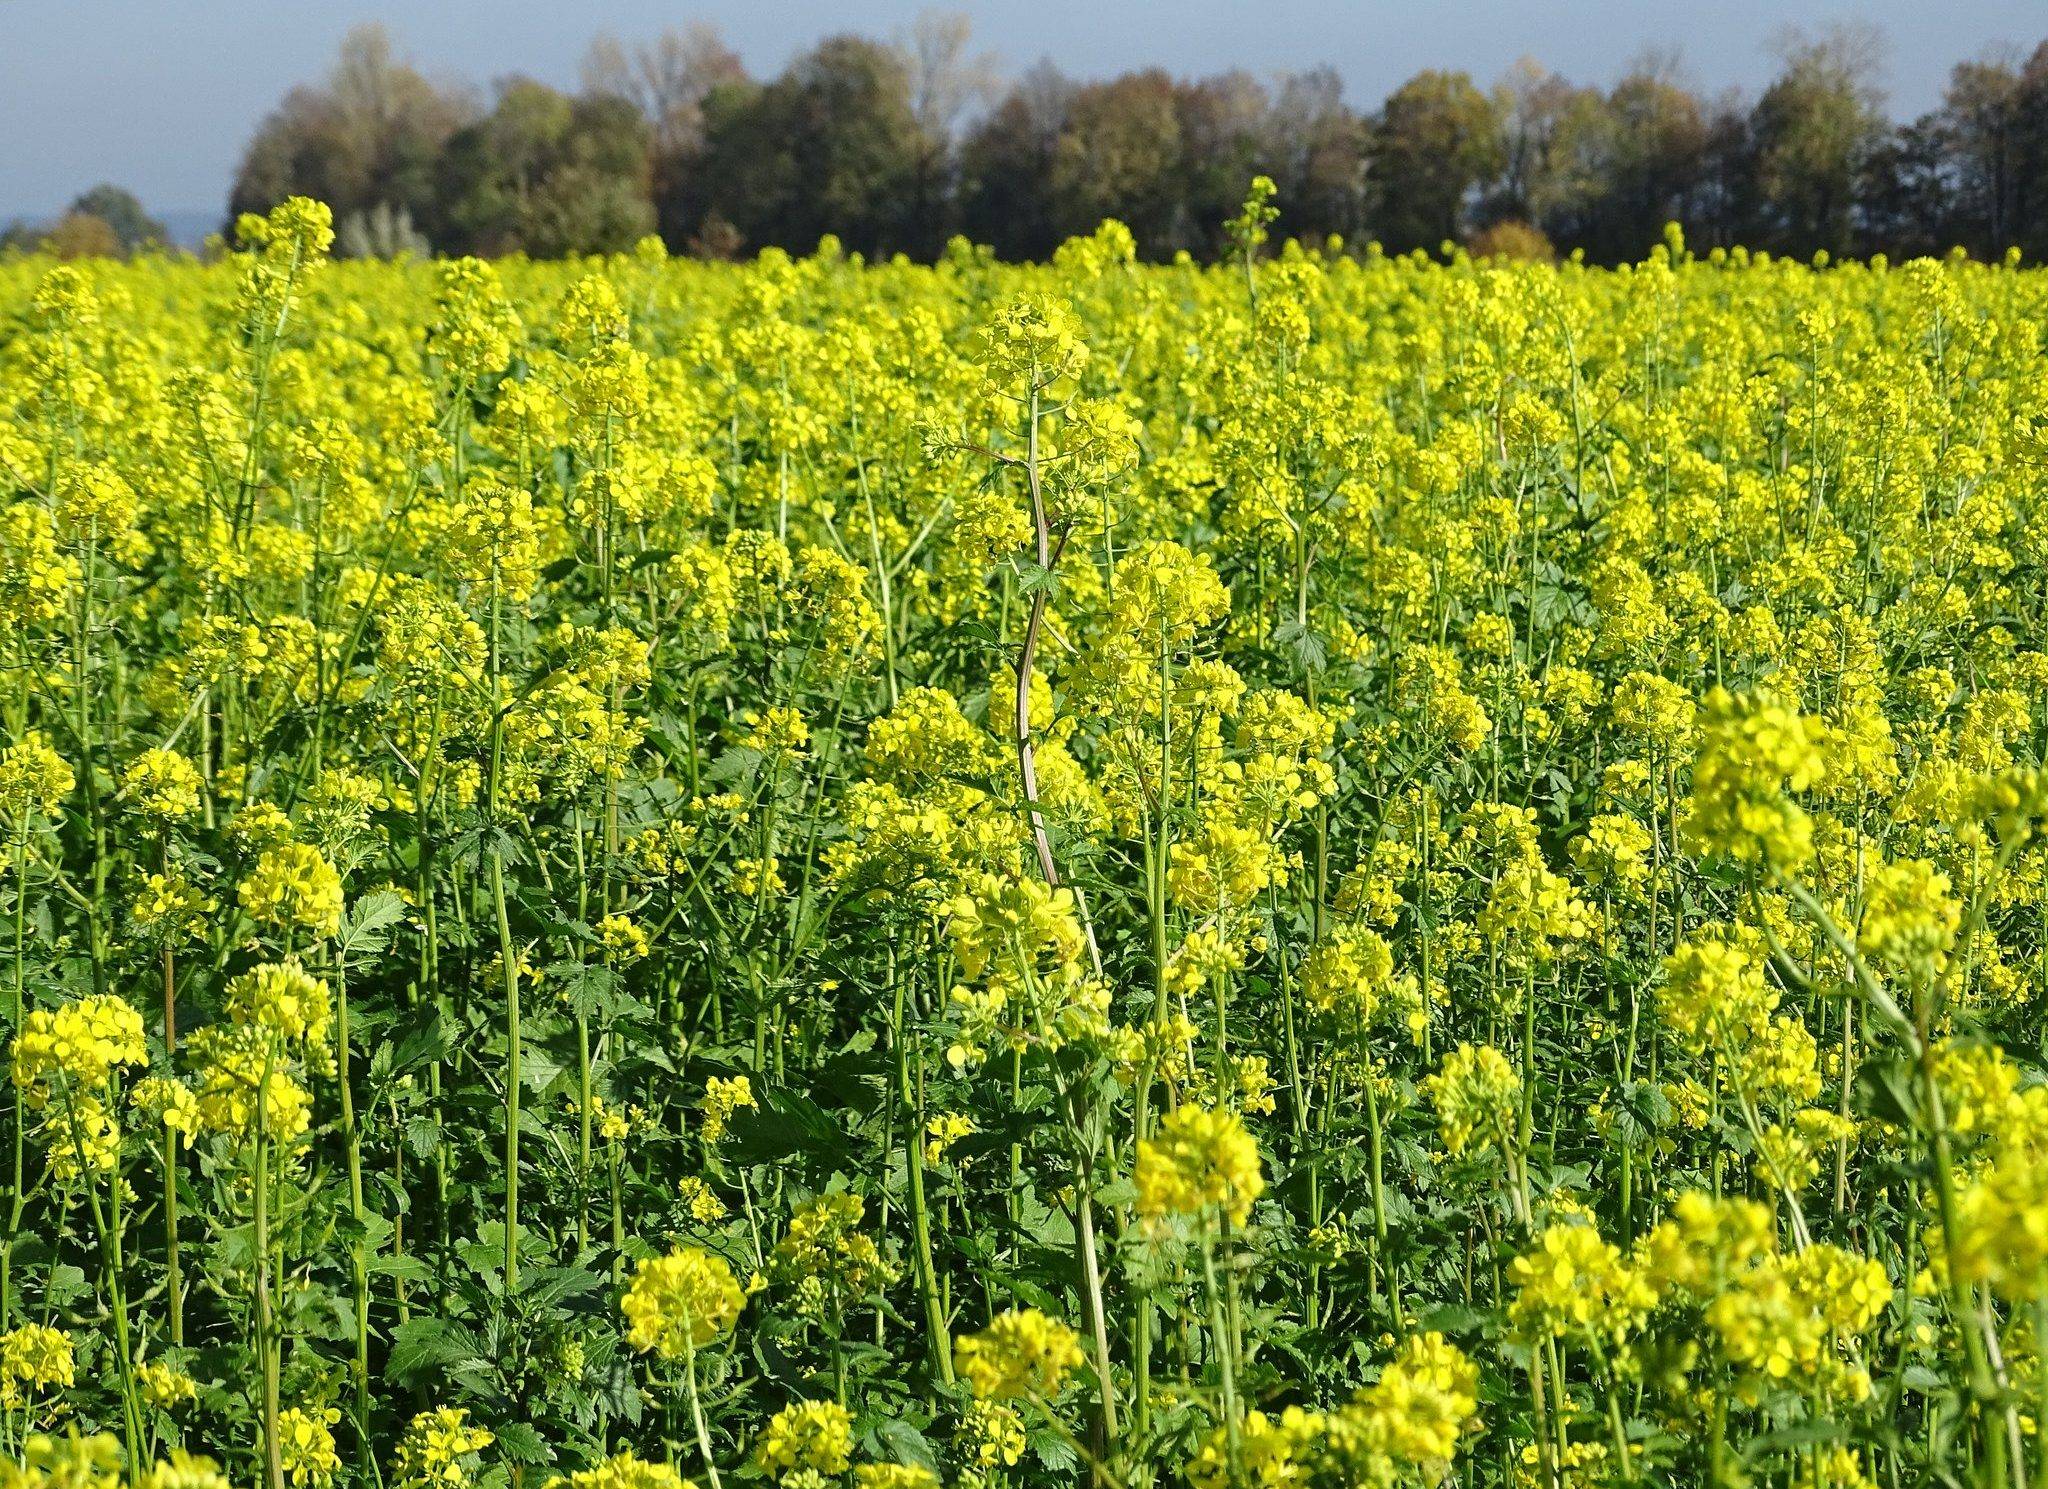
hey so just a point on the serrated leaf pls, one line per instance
(786, 1125)
(522, 1444)
(422, 1136)
(366, 929)
(1054, 1451)
(423, 1344)
(736, 764)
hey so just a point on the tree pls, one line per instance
(948, 83)
(1625, 163)
(105, 222)
(394, 120)
(299, 149)
(1539, 168)
(546, 174)
(1724, 198)
(1811, 135)
(1978, 128)
(830, 146)
(669, 80)
(1661, 133)
(1119, 155)
(80, 235)
(1005, 167)
(1224, 143)
(372, 133)
(1437, 139)
(2030, 155)
(1316, 146)
(893, 147)
(1908, 205)
(119, 210)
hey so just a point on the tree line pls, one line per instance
(898, 147)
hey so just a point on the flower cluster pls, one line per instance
(806, 1444)
(1200, 1162)
(680, 1302)
(1020, 1353)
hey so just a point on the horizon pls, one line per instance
(169, 117)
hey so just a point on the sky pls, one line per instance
(160, 95)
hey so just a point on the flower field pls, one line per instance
(1321, 871)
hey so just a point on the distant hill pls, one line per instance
(187, 226)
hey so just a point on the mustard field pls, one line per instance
(1320, 871)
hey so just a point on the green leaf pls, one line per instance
(1455, 1318)
(907, 1445)
(366, 929)
(422, 1136)
(736, 764)
(66, 1285)
(1032, 577)
(1885, 1090)
(1302, 645)
(431, 1038)
(422, 1344)
(547, 1286)
(537, 1068)
(519, 1442)
(787, 1125)
(1054, 1451)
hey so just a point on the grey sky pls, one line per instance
(159, 95)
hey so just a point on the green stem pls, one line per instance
(697, 1414)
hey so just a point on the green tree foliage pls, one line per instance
(373, 133)
(1120, 156)
(669, 80)
(547, 174)
(1437, 140)
(105, 222)
(897, 146)
(1005, 161)
(1169, 159)
(1812, 134)
(1604, 171)
(830, 146)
